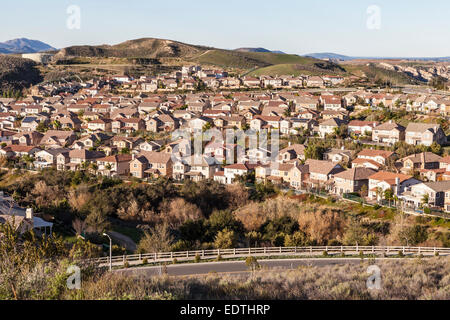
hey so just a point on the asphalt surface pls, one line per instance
(234, 267)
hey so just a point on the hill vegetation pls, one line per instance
(156, 51)
(17, 74)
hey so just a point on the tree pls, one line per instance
(357, 233)
(42, 127)
(425, 199)
(389, 195)
(158, 239)
(364, 191)
(414, 235)
(436, 148)
(298, 239)
(225, 239)
(252, 263)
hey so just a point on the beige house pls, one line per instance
(114, 165)
(424, 134)
(352, 180)
(389, 133)
(151, 164)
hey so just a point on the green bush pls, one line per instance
(126, 264)
(145, 261)
(325, 254)
(197, 258)
(174, 261)
(436, 254)
(219, 258)
(401, 254)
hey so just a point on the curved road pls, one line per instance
(235, 267)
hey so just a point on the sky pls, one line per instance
(388, 28)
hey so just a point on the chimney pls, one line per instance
(422, 159)
(29, 214)
(397, 186)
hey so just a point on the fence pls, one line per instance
(267, 252)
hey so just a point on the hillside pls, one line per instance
(167, 51)
(296, 69)
(380, 75)
(140, 48)
(17, 73)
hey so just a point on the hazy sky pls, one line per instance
(406, 27)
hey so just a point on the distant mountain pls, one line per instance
(258, 50)
(340, 57)
(24, 45)
(329, 56)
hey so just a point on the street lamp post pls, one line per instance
(110, 251)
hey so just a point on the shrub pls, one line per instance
(325, 254)
(252, 263)
(436, 254)
(174, 261)
(361, 254)
(219, 258)
(145, 261)
(197, 258)
(126, 264)
(401, 254)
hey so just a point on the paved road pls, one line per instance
(235, 267)
(124, 240)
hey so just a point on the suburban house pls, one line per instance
(80, 159)
(416, 162)
(433, 192)
(151, 164)
(338, 155)
(424, 134)
(382, 181)
(321, 172)
(329, 126)
(100, 125)
(48, 158)
(359, 127)
(389, 133)
(195, 168)
(444, 163)
(115, 165)
(14, 150)
(292, 152)
(352, 180)
(57, 139)
(238, 169)
(380, 156)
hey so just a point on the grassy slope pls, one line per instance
(375, 73)
(290, 69)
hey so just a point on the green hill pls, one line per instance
(165, 50)
(296, 69)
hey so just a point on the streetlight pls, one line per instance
(110, 251)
